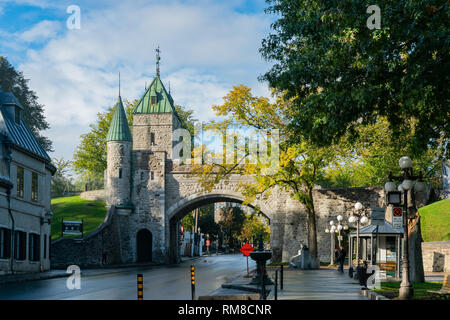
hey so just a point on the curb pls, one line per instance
(32, 277)
(371, 295)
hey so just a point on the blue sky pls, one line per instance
(206, 48)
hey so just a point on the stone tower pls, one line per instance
(154, 119)
(118, 172)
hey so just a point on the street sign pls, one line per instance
(397, 217)
(246, 249)
(72, 227)
(377, 217)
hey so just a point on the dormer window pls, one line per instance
(154, 99)
(17, 115)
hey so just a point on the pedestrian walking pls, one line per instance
(341, 258)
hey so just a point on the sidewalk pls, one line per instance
(321, 284)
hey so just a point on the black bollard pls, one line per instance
(281, 278)
(276, 285)
(140, 287)
(193, 282)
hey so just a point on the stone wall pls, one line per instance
(93, 195)
(436, 256)
(89, 250)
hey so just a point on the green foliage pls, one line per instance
(61, 180)
(206, 221)
(33, 112)
(252, 228)
(186, 116)
(74, 208)
(233, 221)
(373, 154)
(435, 221)
(340, 74)
(90, 155)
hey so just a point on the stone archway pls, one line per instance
(177, 211)
(144, 246)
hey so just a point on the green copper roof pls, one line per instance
(155, 100)
(118, 129)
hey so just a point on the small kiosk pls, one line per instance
(388, 247)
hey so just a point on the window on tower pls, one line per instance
(152, 138)
(120, 173)
(154, 99)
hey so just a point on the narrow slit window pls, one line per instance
(120, 173)
(152, 138)
(152, 175)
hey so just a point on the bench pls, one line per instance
(388, 266)
(444, 292)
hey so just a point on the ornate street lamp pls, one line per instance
(335, 228)
(358, 217)
(408, 182)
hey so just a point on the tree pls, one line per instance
(206, 221)
(252, 228)
(233, 220)
(339, 73)
(301, 164)
(61, 181)
(33, 112)
(376, 152)
(90, 154)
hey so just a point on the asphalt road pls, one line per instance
(171, 282)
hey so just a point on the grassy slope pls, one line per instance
(391, 289)
(435, 221)
(74, 208)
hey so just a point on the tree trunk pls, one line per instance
(312, 238)
(416, 273)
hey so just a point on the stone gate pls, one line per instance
(148, 193)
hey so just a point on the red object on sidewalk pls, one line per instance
(246, 249)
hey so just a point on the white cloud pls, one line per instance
(41, 31)
(206, 49)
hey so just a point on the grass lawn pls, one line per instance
(390, 289)
(74, 208)
(435, 221)
(277, 264)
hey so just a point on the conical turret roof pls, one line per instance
(118, 129)
(156, 99)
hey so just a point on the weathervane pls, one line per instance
(157, 61)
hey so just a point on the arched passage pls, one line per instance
(177, 211)
(144, 246)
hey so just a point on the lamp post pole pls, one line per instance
(406, 289)
(408, 182)
(335, 229)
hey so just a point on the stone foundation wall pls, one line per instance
(436, 256)
(94, 195)
(89, 250)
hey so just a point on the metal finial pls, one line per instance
(157, 60)
(169, 87)
(119, 83)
